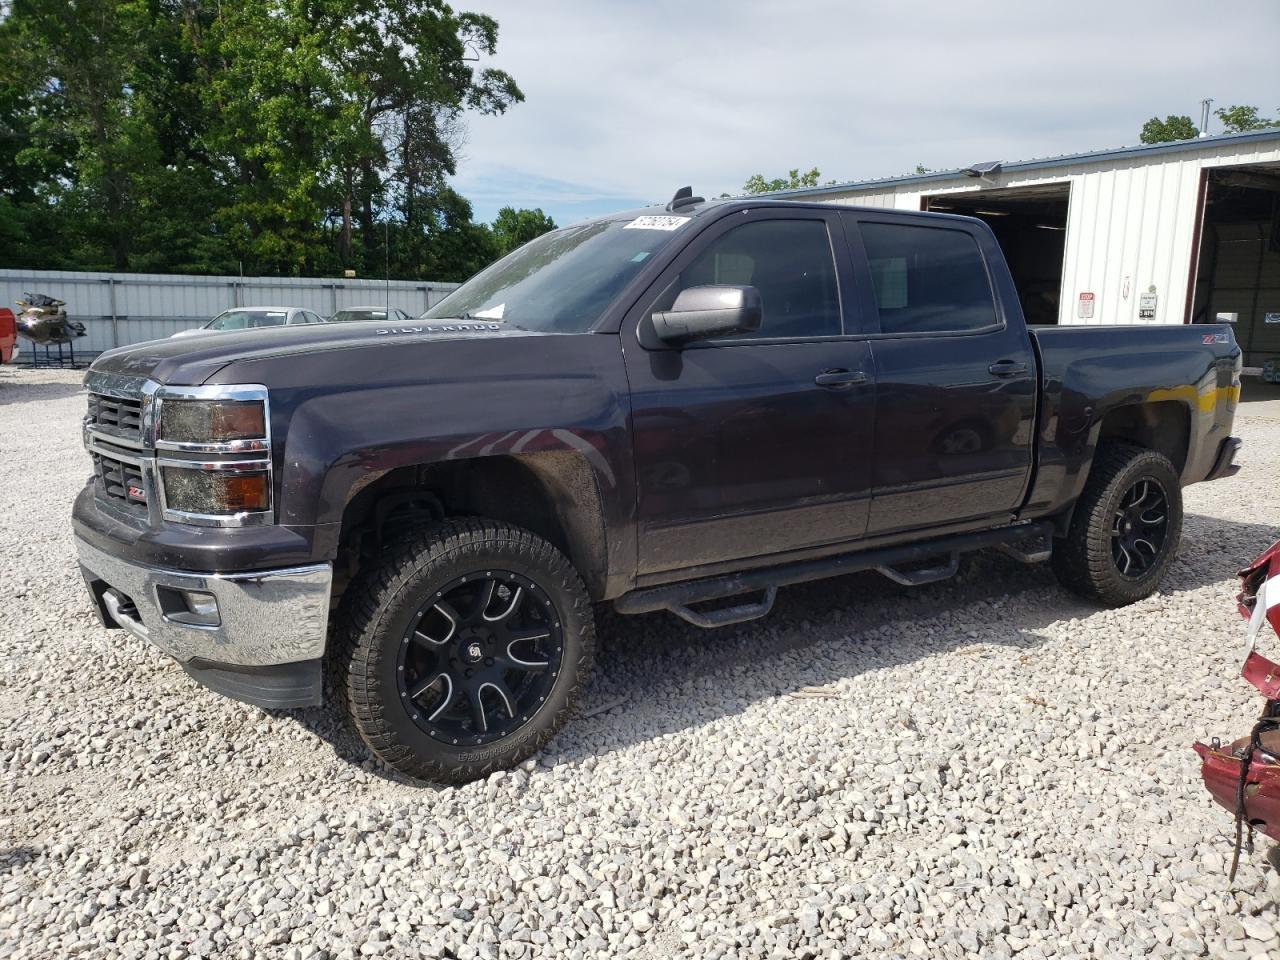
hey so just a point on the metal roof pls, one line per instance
(1142, 150)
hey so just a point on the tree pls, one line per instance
(80, 59)
(794, 180)
(1241, 119)
(514, 228)
(1170, 128)
(292, 136)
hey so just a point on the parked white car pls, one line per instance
(392, 315)
(249, 318)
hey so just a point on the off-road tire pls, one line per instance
(381, 602)
(1083, 561)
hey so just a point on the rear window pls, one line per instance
(347, 316)
(244, 319)
(927, 279)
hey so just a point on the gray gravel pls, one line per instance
(987, 766)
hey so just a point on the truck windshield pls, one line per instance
(562, 281)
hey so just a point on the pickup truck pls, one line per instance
(679, 408)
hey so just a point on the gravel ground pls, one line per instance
(984, 767)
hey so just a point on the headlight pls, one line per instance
(193, 490)
(212, 421)
(213, 454)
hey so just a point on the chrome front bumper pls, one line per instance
(268, 622)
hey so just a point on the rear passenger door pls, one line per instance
(955, 374)
(757, 444)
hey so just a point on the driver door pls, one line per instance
(757, 444)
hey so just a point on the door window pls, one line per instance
(789, 262)
(927, 279)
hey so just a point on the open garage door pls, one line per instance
(1031, 225)
(1237, 278)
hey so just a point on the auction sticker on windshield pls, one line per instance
(656, 223)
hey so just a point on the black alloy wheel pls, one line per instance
(463, 648)
(1124, 528)
(479, 657)
(1140, 529)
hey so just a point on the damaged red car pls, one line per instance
(1244, 776)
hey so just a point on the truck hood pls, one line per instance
(193, 359)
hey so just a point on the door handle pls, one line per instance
(1007, 368)
(839, 378)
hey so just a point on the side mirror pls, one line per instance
(701, 313)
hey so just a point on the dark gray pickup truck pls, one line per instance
(678, 408)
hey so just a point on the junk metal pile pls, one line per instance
(995, 767)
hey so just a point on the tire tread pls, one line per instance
(1082, 560)
(376, 590)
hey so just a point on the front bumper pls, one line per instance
(269, 638)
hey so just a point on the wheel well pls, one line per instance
(1164, 427)
(550, 493)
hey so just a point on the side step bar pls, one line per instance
(922, 575)
(888, 561)
(724, 616)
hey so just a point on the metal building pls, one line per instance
(118, 309)
(1184, 232)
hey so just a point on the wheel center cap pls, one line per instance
(474, 651)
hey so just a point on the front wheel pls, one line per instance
(464, 650)
(1125, 529)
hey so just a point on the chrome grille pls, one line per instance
(116, 414)
(120, 479)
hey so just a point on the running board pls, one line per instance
(1028, 551)
(725, 616)
(922, 575)
(676, 597)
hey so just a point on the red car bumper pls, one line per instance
(1244, 776)
(1221, 770)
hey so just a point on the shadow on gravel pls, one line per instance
(11, 858)
(14, 390)
(661, 671)
(329, 723)
(697, 676)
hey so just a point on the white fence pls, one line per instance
(123, 308)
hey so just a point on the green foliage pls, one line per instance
(1170, 128)
(290, 136)
(1241, 119)
(794, 180)
(514, 228)
(1236, 118)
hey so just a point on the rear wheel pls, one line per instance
(464, 651)
(1125, 529)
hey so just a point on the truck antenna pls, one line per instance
(684, 198)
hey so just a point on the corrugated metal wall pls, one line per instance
(124, 308)
(1130, 223)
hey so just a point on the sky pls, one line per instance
(627, 101)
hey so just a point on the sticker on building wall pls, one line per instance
(1271, 318)
(1084, 308)
(1147, 306)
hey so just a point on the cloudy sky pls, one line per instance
(626, 101)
